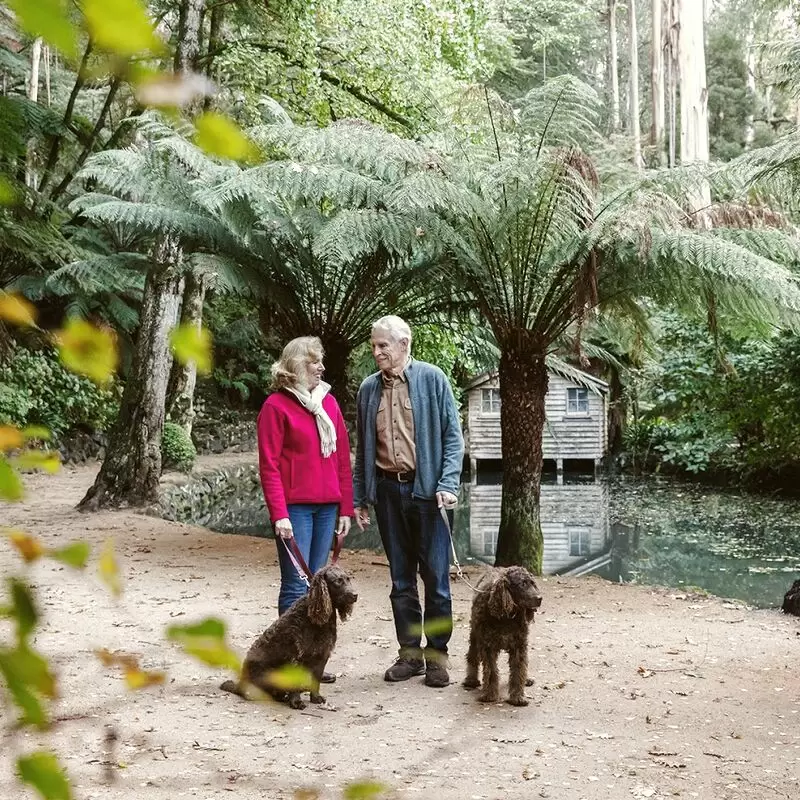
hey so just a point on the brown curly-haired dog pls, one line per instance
(502, 609)
(305, 635)
(791, 600)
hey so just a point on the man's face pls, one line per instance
(390, 355)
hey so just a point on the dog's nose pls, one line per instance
(537, 602)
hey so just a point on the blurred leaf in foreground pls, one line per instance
(220, 136)
(16, 309)
(205, 641)
(11, 488)
(87, 350)
(121, 26)
(48, 19)
(42, 771)
(108, 569)
(190, 343)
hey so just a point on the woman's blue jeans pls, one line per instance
(314, 525)
(415, 538)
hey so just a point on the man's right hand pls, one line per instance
(362, 518)
(283, 528)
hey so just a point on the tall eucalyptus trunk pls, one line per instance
(613, 68)
(635, 124)
(33, 96)
(523, 387)
(183, 378)
(132, 466)
(694, 94)
(658, 100)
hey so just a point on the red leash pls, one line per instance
(300, 563)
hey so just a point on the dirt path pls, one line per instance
(639, 693)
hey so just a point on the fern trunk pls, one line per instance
(183, 378)
(523, 386)
(337, 356)
(132, 467)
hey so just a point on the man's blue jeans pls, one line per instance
(314, 525)
(415, 538)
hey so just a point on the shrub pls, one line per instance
(35, 389)
(177, 449)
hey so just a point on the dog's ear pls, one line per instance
(501, 603)
(320, 607)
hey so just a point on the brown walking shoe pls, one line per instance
(436, 675)
(403, 669)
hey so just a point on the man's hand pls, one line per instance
(362, 518)
(343, 528)
(446, 499)
(283, 528)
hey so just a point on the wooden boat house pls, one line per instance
(574, 514)
(576, 426)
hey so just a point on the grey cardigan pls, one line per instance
(437, 434)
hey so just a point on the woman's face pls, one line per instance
(314, 370)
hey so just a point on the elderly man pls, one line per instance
(408, 464)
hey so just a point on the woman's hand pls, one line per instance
(343, 528)
(283, 528)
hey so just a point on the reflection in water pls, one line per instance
(651, 531)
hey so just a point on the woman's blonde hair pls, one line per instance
(290, 369)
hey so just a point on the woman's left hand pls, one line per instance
(343, 528)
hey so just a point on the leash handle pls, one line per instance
(297, 559)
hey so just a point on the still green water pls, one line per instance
(650, 531)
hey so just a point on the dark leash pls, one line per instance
(299, 562)
(459, 571)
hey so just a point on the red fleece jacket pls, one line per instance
(290, 459)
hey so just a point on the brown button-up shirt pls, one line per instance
(396, 451)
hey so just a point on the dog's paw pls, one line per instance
(529, 681)
(470, 683)
(317, 698)
(488, 698)
(296, 702)
(517, 701)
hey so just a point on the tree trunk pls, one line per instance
(636, 129)
(33, 96)
(658, 113)
(337, 357)
(214, 38)
(132, 466)
(523, 386)
(187, 50)
(613, 73)
(694, 95)
(671, 49)
(750, 61)
(183, 378)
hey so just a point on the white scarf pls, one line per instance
(312, 401)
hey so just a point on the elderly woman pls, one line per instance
(304, 460)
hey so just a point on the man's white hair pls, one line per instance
(396, 327)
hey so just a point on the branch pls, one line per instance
(89, 145)
(355, 91)
(80, 80)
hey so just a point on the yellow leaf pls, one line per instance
(8, 194)
(48, 460)
(190, 343)
(10, 438)
(36, 432)
(48, 19)
(73, 555)
(141, 679)
(16, 309)
(363, 790)
(121, 26)
(42, 771)
(28, 546)
(10, 484)
(109, 569)
(205, 641)
(87, 350)
(290, 678)
(220, 136)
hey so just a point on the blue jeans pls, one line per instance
(314, 525)
(415, 538)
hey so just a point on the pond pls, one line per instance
(649, 531)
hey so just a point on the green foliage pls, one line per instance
(35, 389)
(729, 100)
(177, 449)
